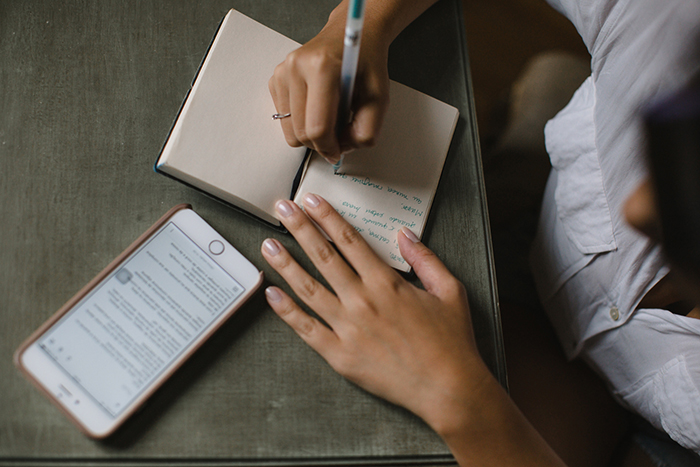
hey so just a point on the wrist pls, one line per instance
(461, 409)
(486, 428)
(379, 29)
(382, 24)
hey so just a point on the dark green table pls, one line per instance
(88, 91)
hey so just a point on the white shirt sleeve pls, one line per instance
(588, 16)
(653, 366)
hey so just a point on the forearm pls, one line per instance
(486, 428)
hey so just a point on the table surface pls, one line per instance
(88, 92)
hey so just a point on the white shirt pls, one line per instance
(590, 267)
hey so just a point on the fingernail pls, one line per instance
(273, 294)
(311, 200)
(271, 247)
(410, 235)
(284, 208)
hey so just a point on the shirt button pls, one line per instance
(614, 313)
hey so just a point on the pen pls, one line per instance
(348, 70)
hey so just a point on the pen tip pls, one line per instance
(338, 164)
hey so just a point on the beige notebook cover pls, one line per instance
(225, 143)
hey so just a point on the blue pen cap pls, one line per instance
(356, 8)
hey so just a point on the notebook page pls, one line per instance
(225, 141)
(391, 185)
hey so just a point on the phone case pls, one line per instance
(85, 290)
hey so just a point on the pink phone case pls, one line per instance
(85, 290)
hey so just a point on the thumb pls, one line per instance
(366, 124)
(429, 269)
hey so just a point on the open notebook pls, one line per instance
(225, 143)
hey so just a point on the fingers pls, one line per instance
(367, 120)
(435, 277)
(350, 243)
(311, 330)
(297, 107)
(308, 289)
(326, 259)
(279, 90)
(322, 112)
(306, 85)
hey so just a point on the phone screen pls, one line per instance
(142, 317)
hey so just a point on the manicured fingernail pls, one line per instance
(284, 208)
(271, 247)
(311, 200)
(273, 294)
(410, 235)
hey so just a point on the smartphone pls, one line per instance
(117, 340)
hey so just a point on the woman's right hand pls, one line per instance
(307, 85)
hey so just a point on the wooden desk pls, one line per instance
(88, 91)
